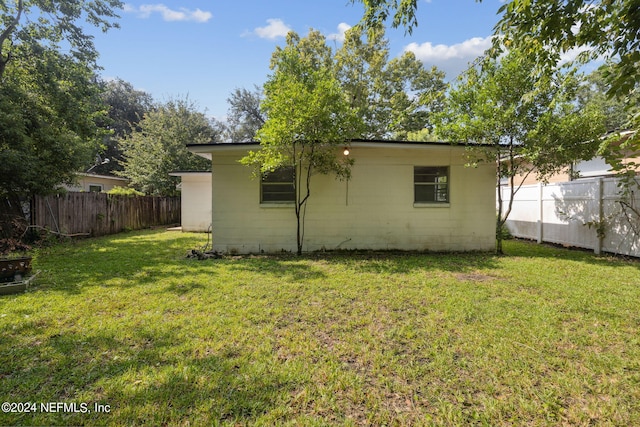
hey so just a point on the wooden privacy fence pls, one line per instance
(100, 214)
(587, 213)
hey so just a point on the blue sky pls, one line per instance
(206, 49)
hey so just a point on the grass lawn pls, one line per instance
(544, 336)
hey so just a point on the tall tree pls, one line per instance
(48, 111)
(593, 91)
(29, 26)
(547, 30)
(159, 146)
(522, 130)
(245, 116)
(126, 108)
(49, 99)
(393, 97)
(308, 119)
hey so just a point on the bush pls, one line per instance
(503, 233)
(122, 191)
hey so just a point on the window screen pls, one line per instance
(278, 186)
(431, 184)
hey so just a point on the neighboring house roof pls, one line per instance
(95, 175)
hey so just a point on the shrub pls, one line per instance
(125, 191)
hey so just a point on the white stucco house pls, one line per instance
(401, 195)
(91, 182)
(195, 199)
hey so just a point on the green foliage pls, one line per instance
(525, 124)
(605, 30)
(126, 107)
(421, 135)
(49, 106)
(29, 27)
(245, 117)
(49, 103)
(125, 191)
(593, 92)
(545, 31)
(392, 97)
(159, 147)
(308, 118)
(401, 12)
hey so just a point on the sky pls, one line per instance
(205, 49)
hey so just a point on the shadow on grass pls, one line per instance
(146, 258)
(388, 262)
(141, 375)
(531, 249)
(125, 260)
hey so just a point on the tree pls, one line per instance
(245, 116)
(159, 146)
(618, 114)
(593, 91)
(522, 130)
(392, 97)
(51, 23)
(49, 100)
(308, 118)
(126, 108)
(49, 106)
(545, 30)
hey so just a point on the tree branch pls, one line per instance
(4, 60)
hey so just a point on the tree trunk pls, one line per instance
(499, 224)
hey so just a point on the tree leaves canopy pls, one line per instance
(306, 109)
(48, 111)
(392, 97)
(49, 97)
(28, 26)
(523, 123)
(159, 147)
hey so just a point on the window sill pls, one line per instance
(276, 205)
(431, 205)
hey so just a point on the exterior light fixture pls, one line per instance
(346, 151)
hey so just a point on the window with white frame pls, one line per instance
(95, 188)
(278, 186)
(431, 184)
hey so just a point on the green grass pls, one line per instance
(544, 336)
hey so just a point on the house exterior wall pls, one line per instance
(106, 183)
(196, 201)
(374, 210)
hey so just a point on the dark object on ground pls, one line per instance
(14, 269)
(194, 253)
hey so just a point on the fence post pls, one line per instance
(597, 248)
(540, 213)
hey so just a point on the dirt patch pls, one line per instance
(473, 277)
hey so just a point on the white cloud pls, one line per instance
(275, 28)
(182, 14)
(452, 59)
(343, 27)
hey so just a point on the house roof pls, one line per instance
(205, 150)
(184, 173)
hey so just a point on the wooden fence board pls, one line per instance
(100, 214)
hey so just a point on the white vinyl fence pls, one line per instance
(586, 213)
